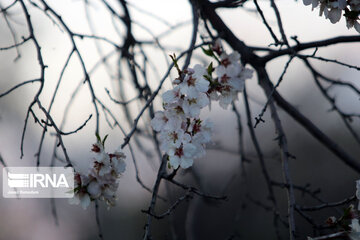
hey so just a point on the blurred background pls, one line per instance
(220, 172)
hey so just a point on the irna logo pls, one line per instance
(38, 182)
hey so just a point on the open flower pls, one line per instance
(227, 96)
(171, 139)
(81, 198)
(202, 131)
(117, 162)
(231, 76)
(194, 82)
(168, 120)
(182, 156)
(94, 189)
(102, 164)
(228, 60)
(192, 106)
(172, 96)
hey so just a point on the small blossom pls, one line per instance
(226, 97)
(172, 96)
(246, 73)
(202, 131)
(194, 82)
(168, 120)
(94, 189)
(182, 156)
(102, 165)
(331, 220)
(230, 76)
(170, 139)
(81, 198)
(117, 162)
(159, 121)
(192, 106)
(355, 229)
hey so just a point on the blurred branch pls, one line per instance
(316, 44)
(328, 204)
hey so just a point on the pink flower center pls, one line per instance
(179, 151)
(224, 78)
(191, 81)
(225, 62)
(98, 165)
(77, 179)
(217, 49)
(179, 110)
(174, 136)
(95, 148)
(196, 128)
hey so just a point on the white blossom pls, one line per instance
(226, 97)
(169, 120)
(183, 135)
(182, 155)
(230, 76)
(355, 229)
(173, 139)
(202, 131)
(117, 162)
(81, 198)
(172, 96)
(333, 10)
(192, 106)
(94, 189)
(194, 82)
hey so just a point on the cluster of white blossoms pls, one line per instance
(334, 9)
(352, 230)
(230, 76)
(183, 134)
(101, 182)
(348, 223)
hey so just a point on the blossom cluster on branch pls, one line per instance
(101, 182)
(348, 223)
(334, 9)
(183, 134)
